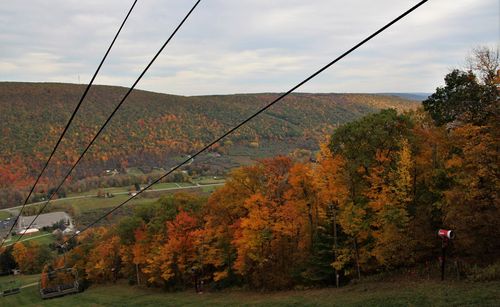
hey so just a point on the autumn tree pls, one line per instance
(103, 260)
(465, 97)
(365, 145)
(31, 256)
(331, 180)
(307, 215)
(7, 261)
(390, 195)
(225, 210)
(462, 98)
(178, 257)
(472, 204)
(484, 62)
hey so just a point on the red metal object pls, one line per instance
(445, 233)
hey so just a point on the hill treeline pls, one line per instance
(151, 129)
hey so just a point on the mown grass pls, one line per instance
(21, 280)
(4, 215)
(42, 238)
(91, 204)
(83, 205)
(427, 293)
(209, 189)
(111, 190)
(211, 180)
(163, 185)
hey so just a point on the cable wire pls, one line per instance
(113, 113)
(69, 122)
(252, 116)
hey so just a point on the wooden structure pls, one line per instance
(58, 283)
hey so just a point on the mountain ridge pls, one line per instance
(151, 128)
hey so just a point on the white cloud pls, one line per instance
(245, 45)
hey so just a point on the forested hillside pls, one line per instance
(150, 129)
(372, 202)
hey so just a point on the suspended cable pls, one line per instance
(69, 123)
(111, 115)
(252, 116)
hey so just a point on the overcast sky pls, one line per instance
(244, 46)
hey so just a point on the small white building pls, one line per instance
(29, 231)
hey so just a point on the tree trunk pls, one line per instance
(356, 253)
(334, 214)
(310, 226)
(137, 274)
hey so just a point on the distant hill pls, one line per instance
(409, 96)
(153, 129)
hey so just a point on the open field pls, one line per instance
(424, 293)
(163, 185)
(210, 180)
(4, 215)
(87, 201)
(42, 238)
(90, 204)
(20, 279)
(112, 190)
(210, 188)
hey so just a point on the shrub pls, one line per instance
(488, 273)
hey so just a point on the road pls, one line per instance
(14, 209)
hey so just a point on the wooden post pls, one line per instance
(137, 274)
(444, 245)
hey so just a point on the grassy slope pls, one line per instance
(428, 293)
(20, 279)
(4, 215)
(42, 237)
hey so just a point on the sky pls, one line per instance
(244, 46)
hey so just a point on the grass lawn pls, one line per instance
(112, 190)
(20, 279)
(423, 293)
(90, 204)
(186, 184)
(209, 189)
(42, 238)
(164, 185)
(211, 180)
(4, 215)
(83, 205)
